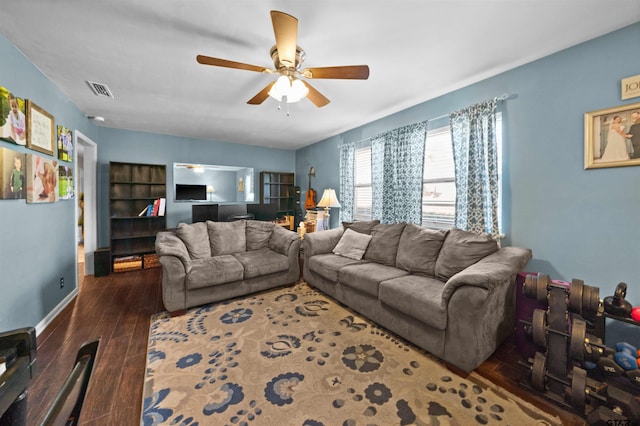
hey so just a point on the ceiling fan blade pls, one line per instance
(316, 97)
(285, 28)
(262, 95)
(355, 72)
(208, 60)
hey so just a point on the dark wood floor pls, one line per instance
(117, 308)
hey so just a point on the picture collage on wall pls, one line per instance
(35, 178)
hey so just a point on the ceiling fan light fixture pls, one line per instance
(298, 91)
(293, 89)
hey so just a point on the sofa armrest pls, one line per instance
(281, 239)
(168, 244)
(480, 305)
(497, 269)
(321, 242)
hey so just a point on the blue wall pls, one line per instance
(579, 223)
(38, 241)
(139, 147)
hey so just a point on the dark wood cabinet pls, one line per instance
(132, 188)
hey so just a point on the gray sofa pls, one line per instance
(451, 293)
(210, 261)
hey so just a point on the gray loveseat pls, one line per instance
(209, 261)
(451, 293)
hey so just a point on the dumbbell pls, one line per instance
(609, 366)
(605, 416)
(616, 305)
(537, 328)
(583, 346)
(576, 383)
(622, 361)
(626, 356)
(624, 402)
(634, 376)
(583, 299)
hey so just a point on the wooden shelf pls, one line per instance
(132, 187)
(278, 188)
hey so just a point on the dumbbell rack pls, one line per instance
(561, 330)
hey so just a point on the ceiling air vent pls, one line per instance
(100, 89)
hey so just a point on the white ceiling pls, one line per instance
(145, 51)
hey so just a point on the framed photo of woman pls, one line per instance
(612, 137)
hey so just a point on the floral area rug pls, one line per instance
(294, 356)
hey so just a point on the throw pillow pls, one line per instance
(227, 237)
(195, 238)
(384, 243)
(258, 234)
(418, 249)
(363, 227)
(462, 249)
(352, 244)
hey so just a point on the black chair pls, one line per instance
(66, 408)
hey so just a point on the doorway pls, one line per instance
(86, 213)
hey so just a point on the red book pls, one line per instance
(156, 204)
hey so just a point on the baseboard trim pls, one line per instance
(54, 313)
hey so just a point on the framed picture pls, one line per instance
(65, 183)
(12, 175)
(12, 118)
(42, 179)
(65, 144)
(612, 137)
(40, 129)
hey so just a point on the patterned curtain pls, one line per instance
(347, 158)
(475, 155)
(397, 163)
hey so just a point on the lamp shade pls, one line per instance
(210, 188)
(291, 88)
(329, 199)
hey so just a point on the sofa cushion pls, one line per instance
(418, 249)
(364, 227)
(417, 296)
(384, 243)
(258, 234)
(262, 262)
(327, 265)
(227, 237)
(214, 270)
(462, 249)
(195, 239)
(281, 240)
(367, 277)
(352, 244)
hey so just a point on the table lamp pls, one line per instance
(328, 200)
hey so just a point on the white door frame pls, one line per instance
(89, 165)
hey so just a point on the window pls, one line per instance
(438, 182)
(362, 184)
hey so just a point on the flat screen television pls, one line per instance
(191, 192)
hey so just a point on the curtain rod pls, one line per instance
(502, 97)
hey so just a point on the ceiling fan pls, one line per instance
(288, 58)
